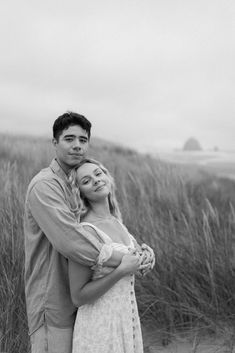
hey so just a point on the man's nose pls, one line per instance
(76, 144)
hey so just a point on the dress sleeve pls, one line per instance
(47, 205)
(105, 254)
(106, 249)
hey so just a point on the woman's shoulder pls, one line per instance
(88, 225)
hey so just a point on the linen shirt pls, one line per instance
(53, 235)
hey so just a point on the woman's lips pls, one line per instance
(100, 187)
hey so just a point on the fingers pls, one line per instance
(143, 266)
(132, 251)
(145, 259)
(149, 249)
(153, 260)
(149, 254)
(143, 271)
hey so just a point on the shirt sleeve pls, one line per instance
(46, 201)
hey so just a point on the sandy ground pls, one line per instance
(188, 347)
(153, 343)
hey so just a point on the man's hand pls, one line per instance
(149, 254)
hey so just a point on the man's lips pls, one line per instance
(75, 154)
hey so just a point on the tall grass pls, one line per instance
(189, 225)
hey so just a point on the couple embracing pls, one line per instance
(80, 259)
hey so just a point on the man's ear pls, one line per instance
(54, 142)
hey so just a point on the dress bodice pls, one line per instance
(106, 251)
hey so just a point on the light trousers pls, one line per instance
(48, 339)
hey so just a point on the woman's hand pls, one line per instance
(130, 264)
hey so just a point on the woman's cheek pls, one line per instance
(87, 192)
(83, 191)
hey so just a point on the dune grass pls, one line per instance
(190, 225)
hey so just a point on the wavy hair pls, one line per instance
(83, 205)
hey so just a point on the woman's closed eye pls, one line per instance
(98, 173)
(85, 181)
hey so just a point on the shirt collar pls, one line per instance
(56, 168)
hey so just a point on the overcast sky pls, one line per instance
(146, 73)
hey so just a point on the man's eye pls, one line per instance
(83, 141)
(98, 173)
(69, 139)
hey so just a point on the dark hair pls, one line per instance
(68, 119)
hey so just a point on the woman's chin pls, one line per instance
(100, 194)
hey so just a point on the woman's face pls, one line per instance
(93, 183)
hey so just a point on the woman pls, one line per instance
(107, 319)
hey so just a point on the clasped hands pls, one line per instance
(147, 258)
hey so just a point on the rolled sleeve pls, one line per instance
(48, 207)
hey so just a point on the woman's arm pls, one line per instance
(84, 290)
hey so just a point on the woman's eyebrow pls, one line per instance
(88, 176)
(85, 176)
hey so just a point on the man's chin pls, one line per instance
(75, 164)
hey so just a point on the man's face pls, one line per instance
(71, 146)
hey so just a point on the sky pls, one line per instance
(147, 74)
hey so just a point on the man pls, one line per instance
(52, 235)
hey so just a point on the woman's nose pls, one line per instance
(96, 180)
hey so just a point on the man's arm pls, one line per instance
(46, 202)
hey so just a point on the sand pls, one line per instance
(188, 347)
(187, 343)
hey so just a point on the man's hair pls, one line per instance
(68, 119)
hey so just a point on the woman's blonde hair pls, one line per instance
(82, 203)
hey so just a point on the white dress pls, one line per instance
(111, 323)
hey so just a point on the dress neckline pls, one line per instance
(107, 236)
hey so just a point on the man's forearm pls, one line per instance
(58, 223)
